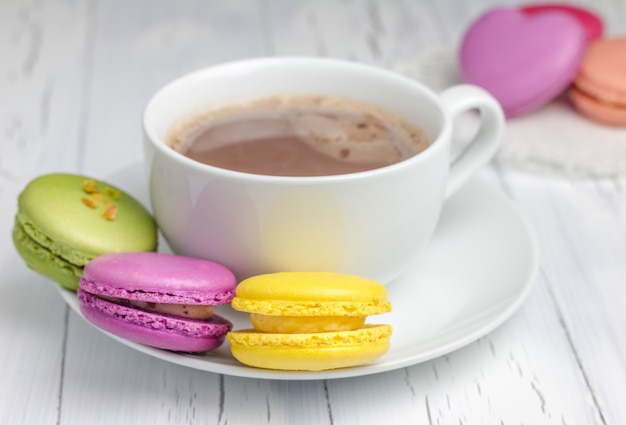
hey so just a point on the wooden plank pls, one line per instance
(138, 49)
(534, 375)
(276, 402)
(107, 382)
(132, 58)
(41, 77)
(526, 371)
(582, 229)
(78, 74)
(42, 48)
(370, 32)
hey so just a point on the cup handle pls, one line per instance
(484, 145)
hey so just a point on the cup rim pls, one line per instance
(159, 144)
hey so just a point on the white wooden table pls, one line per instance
(74, 77)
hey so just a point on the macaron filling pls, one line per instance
(605, 101)
(189, 311)
(161, 300)
(305, 324)
(309, 321)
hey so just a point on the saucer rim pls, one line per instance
(221, 361)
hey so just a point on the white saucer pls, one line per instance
(479, 268)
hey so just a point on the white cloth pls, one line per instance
(554, 137)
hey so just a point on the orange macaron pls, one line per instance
(599, 90)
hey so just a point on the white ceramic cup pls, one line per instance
(372, 223)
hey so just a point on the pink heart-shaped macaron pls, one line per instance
(523, 60)
(591, 21)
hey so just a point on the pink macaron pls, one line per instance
(161, 300)
(599, 91)
(524, 60)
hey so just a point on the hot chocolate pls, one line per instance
(297, 135)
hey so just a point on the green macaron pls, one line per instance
(65, 220)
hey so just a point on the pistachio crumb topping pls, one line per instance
(111, 193)
(90, 186)
(89, 202)
(109, 212)
(97, 198)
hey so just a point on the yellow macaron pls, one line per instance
(310, 321)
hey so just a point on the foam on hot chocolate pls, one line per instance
(297, 135)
